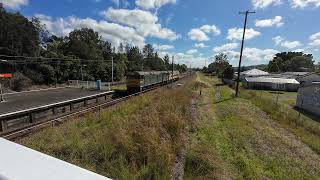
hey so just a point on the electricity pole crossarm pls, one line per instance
(242, 44)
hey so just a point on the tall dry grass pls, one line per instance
(138, 139)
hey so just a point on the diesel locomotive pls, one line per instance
(140, 80)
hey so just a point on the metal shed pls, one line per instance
(309, 99)
(251, 73)
(267, 83)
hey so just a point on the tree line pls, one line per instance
(281, 62)
(81, 54)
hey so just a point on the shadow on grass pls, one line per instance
(308, 114)
(220, 84)
(217, 102)
(224, 100)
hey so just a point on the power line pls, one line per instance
(242, 44)
(24, 58)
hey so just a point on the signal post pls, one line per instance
(3, 76)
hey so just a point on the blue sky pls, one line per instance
(191, 30)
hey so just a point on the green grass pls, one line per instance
(137, 139)
(119, 87)
(237, 140)
(285, 114)
(286, 98)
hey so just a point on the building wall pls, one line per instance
(307, 80)
(309, 99)
(271, 86)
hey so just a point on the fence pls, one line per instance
(93, 84)
(24, 118)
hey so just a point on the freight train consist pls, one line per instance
(140, 80)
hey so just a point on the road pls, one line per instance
(27, 100)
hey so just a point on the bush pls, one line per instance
(20, 82)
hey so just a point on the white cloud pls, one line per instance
(14, 4)
(198, 35)
(153, 4)
(211, 29)
(225, 47)
(304, 3)
(290, 44)
(200, 45)
(201, 34)
(315, 39)
(277, 40)
(192, 51)
(252, 55)
(265, 3)
(112, 32)
(125, 3)
(162, 47)
(236, 34)
(145, 23)
(299, 50)
(276, 21)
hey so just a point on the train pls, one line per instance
(141, 80)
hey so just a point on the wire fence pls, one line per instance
(109, 86)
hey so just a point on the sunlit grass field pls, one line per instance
(238, 139)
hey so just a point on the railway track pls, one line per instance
(25, 131)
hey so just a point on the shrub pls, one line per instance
(20, 82)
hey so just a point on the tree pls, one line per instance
(228, 72)
(166, 60)
(135, 59)
(121, 48)
(85, 44)
(291, 61)
(42, 31)
(219, 64)
(148, 51)
(18, 35)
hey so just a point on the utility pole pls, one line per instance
(1, 93)
(241, 52)
(172, 68)
(112, 69)
(81, 73)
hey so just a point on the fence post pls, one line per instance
(71, 106)
(109, 86)
(31, 118)
(54, 110)
(1, 93)
(3, 125)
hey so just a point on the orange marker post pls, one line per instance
(7, 75)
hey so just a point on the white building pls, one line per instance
(251, 73)
(309, 98)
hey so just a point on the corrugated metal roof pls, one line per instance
(254, 72)
(271, 80)
(296, 73)
(20, 163)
